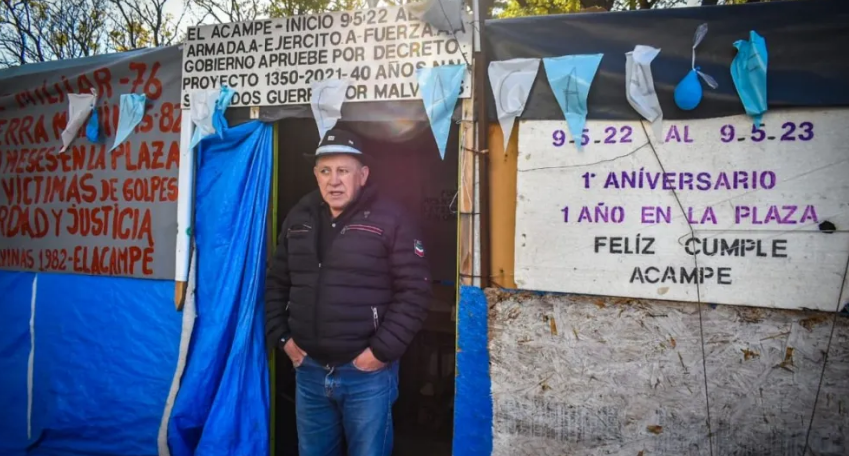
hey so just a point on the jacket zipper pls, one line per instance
(374, 317)
(315, 315)
(366, 228)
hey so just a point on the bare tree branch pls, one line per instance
(41, 30)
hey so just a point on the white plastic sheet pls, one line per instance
(511, 82)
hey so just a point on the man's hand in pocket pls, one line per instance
(366, 362)
(294, 352)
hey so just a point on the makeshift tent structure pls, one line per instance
(223, 404)
(87, 360)
(90, 363)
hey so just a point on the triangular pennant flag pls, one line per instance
(570, 78)
(326, 101)
(79, 108)
(639, 87)
(748, 71)
(130, 114)
(201, 112)
(511, 82)
(440, 88)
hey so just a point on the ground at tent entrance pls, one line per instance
(412, 443)
(413, 437)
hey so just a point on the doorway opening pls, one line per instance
(408, 169)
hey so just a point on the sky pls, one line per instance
(175, 8)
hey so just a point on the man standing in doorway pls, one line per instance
(347, 291)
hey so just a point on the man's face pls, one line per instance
(340, 178)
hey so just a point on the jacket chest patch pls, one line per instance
(418, 248)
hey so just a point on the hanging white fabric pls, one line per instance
(80, 106)
(639, 87)
(511, 82)
(201, 112)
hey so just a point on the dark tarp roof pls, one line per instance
(806, 41)
(31, 69)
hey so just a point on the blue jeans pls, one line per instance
(343, 401)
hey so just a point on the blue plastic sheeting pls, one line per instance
(222, 407)
(105, 354)
(473, 407)
(16, 292)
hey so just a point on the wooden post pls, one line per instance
(502, 216)
(466, 216)
(482, 132)
(272, 245)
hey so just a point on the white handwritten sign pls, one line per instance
(275, 61)
(722, 212)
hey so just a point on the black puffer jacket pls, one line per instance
(372, 288)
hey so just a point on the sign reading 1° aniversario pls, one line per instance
(721, 212)
(275, 61)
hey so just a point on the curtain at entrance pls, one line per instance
(222, 407)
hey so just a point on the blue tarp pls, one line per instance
(16, 296)
(105, 354)
(222, 407)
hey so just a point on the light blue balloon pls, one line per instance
(92, 129)
(688, 92)
(748, 70)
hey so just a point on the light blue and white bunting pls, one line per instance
(440, 87)
(570, 78)
(511, 82)
(130, 114)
